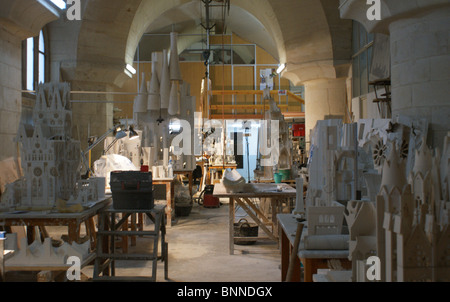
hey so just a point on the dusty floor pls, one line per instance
(199, 252)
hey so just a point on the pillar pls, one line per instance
(10, 92)
(420, 70)
(324, 99)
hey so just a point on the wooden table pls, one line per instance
(312, 260)
(170, 194)
(48, 218)
(243, 199)
(267, 180)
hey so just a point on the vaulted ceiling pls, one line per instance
(309, 36)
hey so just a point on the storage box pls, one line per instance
(132, 190)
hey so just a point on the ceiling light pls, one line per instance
(281, 68)
(59, 3)
(131, 69)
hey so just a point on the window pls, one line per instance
(362, 45)
(35, 61)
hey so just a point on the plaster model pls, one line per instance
(154, 96)
(325, 220)
(165, 82)
(271, 158)
(169, 103)
(361, 221)
(232, 181)
(140, 104)
(412, 242)
(44, 254)
(299, 201)
(50, 157)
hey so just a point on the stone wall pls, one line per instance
(10, 92)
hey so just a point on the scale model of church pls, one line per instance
(50, 157)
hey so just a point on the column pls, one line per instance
(324, 99)
(420, 70)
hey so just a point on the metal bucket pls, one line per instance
(244, 229)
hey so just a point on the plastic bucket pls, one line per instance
(277, 177)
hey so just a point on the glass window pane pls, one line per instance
(243, 54)
(30, 64)
(41, 68)
(220, 55)
(41, 42)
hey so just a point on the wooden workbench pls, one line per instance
(53, 218)
(312, 260)
(243, 199)
(170, 195)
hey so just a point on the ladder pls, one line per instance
(108, 229)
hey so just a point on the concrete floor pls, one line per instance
(199, 252)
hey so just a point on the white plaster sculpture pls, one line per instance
(159, 147)
(44, 254)
(233, 181)
(165, 82)
(142, 97)
(174, 65)
(325, 220)
(321, 163)
(175, 76)
(361, 221)
(154, 97)
(271, 158)
(410, 243)
(112, 162)
(299, 201)
(50, 157)
(174, 99)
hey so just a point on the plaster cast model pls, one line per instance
(44, 254)
(325, 220)
(141, 101)
(299, 201)
(165, 82)
(410, 243)
(361, 221)
(50, 157)
(154, 96)
(233, 181)
(159, 145)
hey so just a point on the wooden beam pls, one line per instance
(242, 107)
(293, 114)
(255, 92)
(236, 116)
